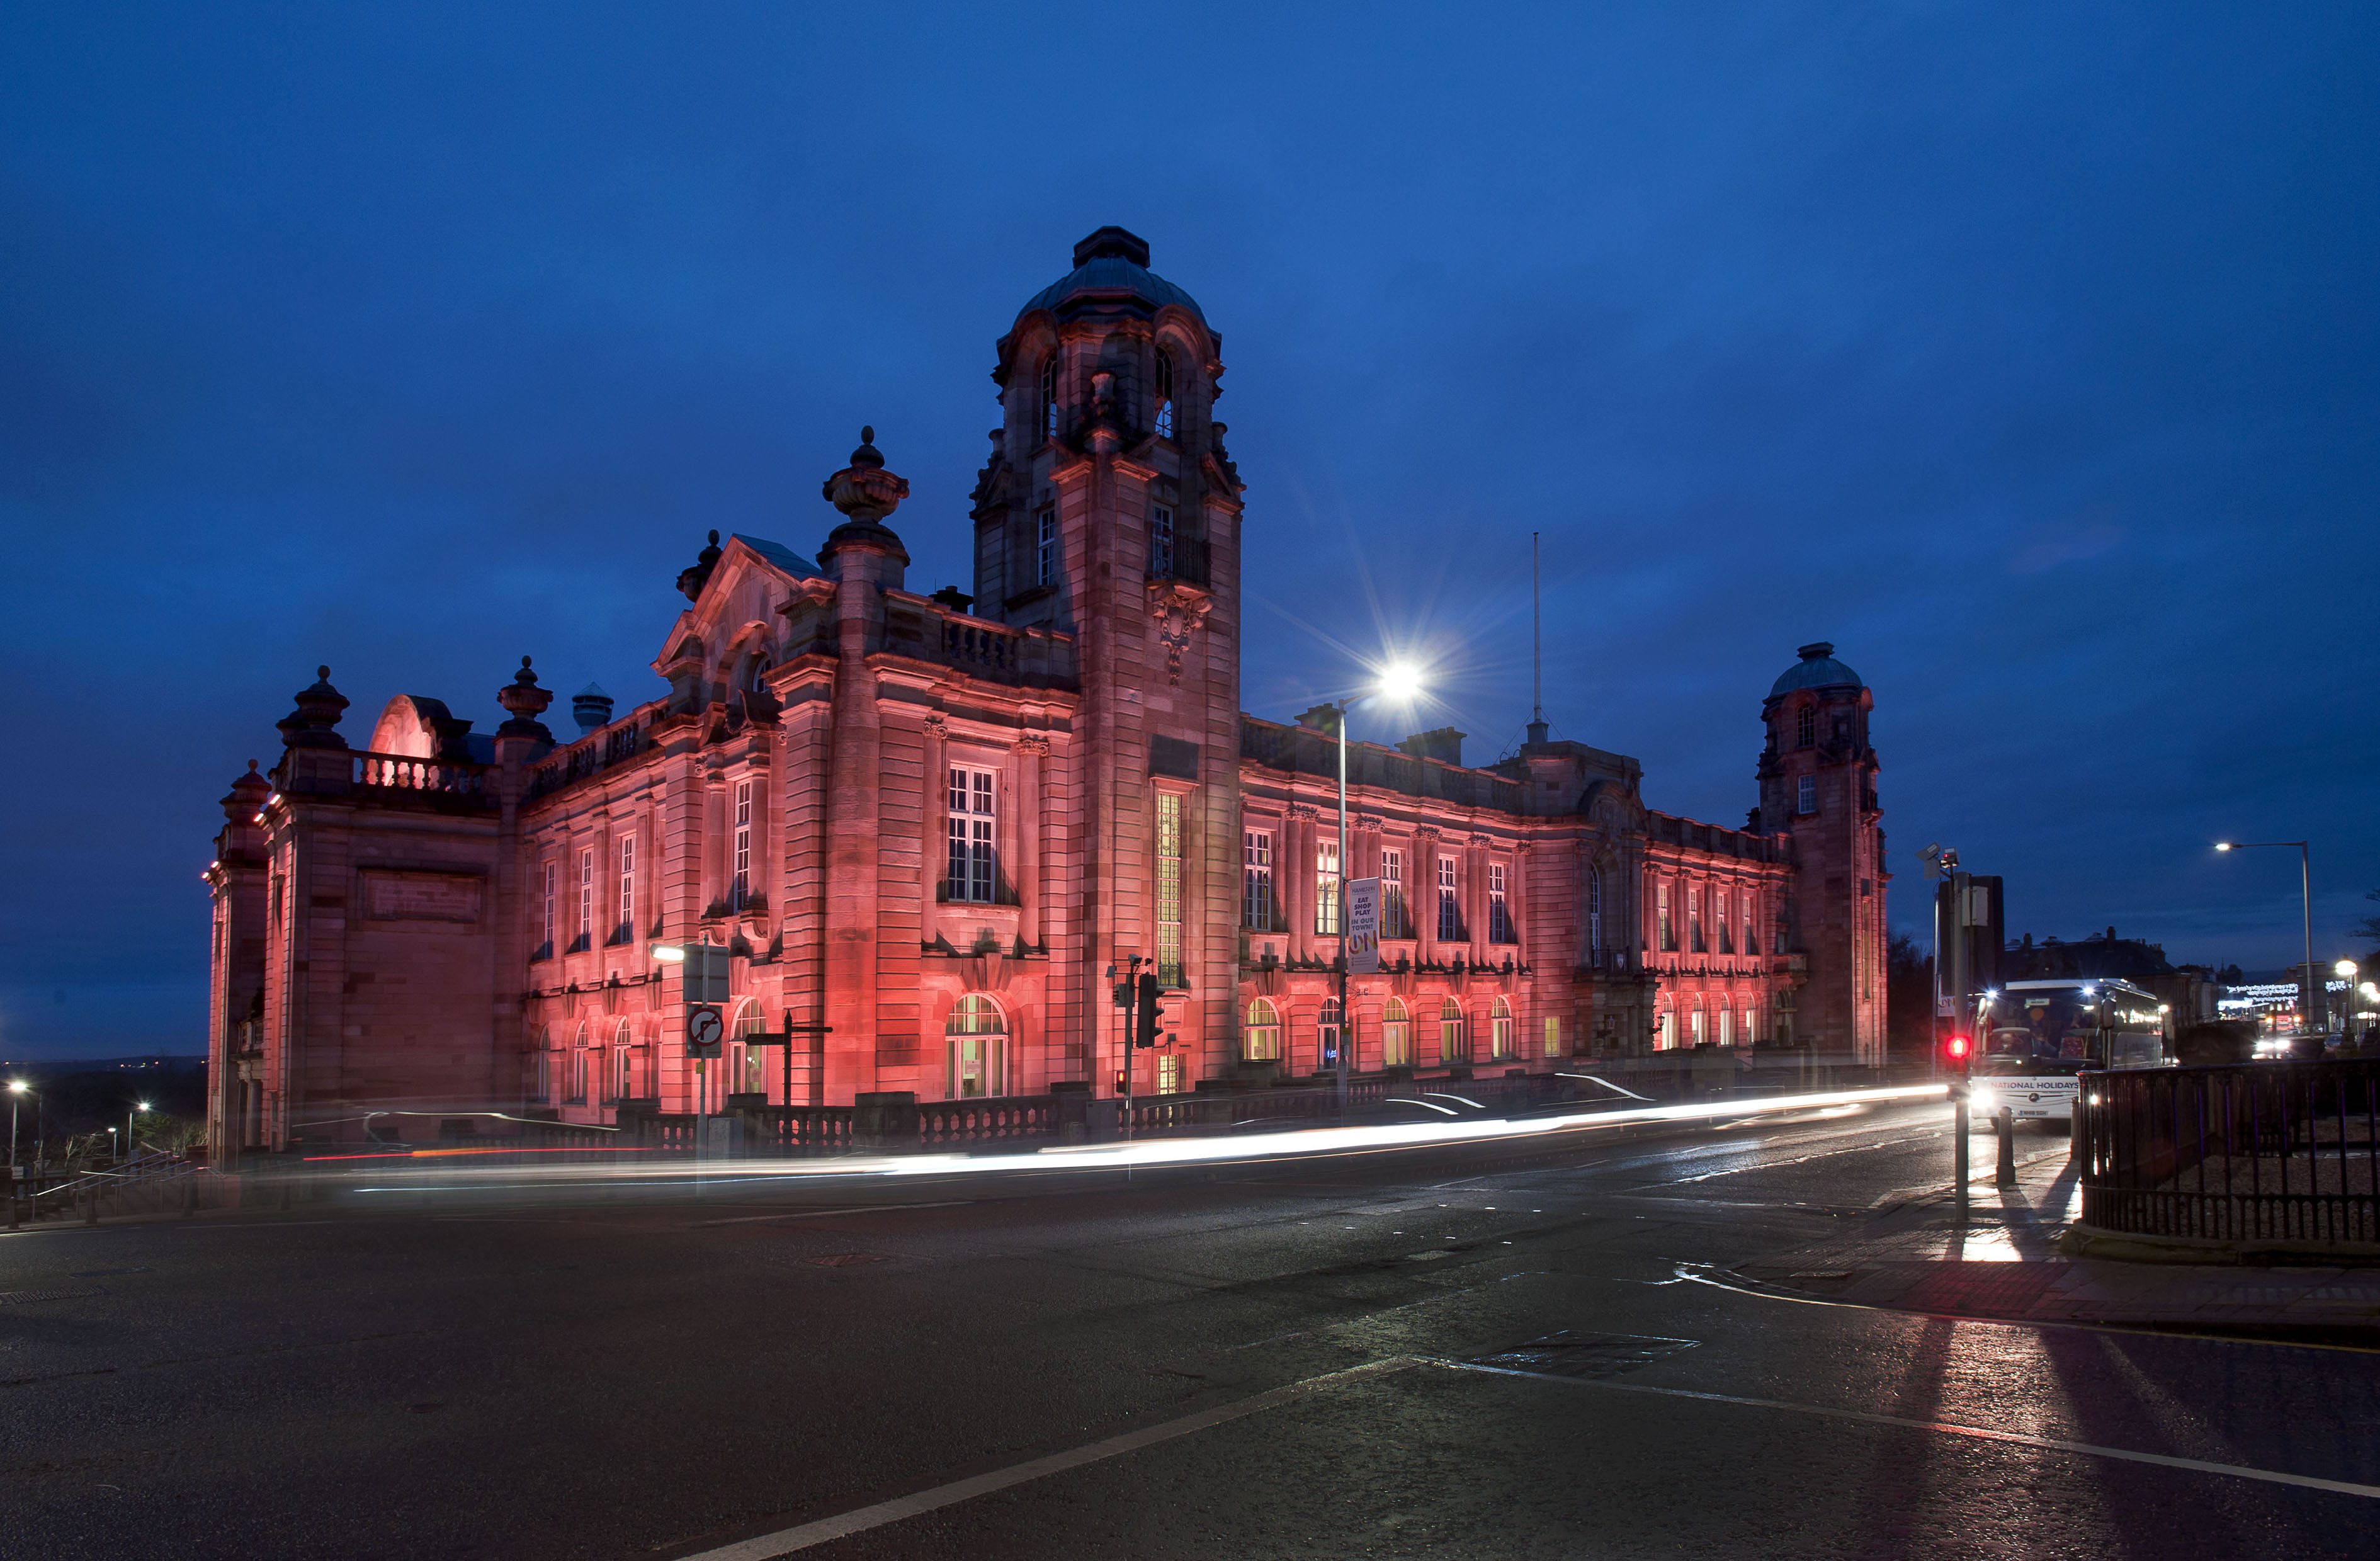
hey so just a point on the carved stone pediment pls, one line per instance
(1177, 610)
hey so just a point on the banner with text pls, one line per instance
(1363, 926)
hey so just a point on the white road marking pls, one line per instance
(784, 1542)
(1947, 1427)
(821, 1213)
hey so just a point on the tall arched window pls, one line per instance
(1726, 1026)
(1260, 1037)
(1664, 1031)
(1050, 395)
(975, 1040)
(1164, 394)
(747, 1066)
(1499, 1030)
(574, 1086)
(615, 1066)
(1594, 911)
(1328, 1032)
(1396, 1035)
(542, 1086)
(1453, 1043)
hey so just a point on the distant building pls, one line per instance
(935, 830)
(2189, 992)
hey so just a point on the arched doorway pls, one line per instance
(1396, 1035)
(1260, 1037)
(976, 1047)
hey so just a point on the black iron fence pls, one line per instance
(2260, 1152)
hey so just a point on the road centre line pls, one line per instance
(784, 1542)
(1947, 1427)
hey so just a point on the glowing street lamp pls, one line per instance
(2305, 889)
(17, 1089)
(1399, 682)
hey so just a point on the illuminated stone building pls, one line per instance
(928, 827)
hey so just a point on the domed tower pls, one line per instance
(1110, 511)
(1817, 784)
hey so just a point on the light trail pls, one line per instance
(1295, 1144)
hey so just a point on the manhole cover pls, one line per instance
(843, 1259)
(1566, 1354)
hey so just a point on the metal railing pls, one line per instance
(2260, 1152)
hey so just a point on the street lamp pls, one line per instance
(17, 1087)
(2345, 972)
(2305, 888)
(1401, 682)
(139, 1109)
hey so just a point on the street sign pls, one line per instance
(1363, 926)
(705, 1029)
(704, 972)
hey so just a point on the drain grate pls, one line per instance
(1566, 1354)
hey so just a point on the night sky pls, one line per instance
(2028, 354)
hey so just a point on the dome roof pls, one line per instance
(1112, 263)
(1816, 669)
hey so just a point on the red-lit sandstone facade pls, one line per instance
(934, 830)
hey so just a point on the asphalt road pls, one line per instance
(1443, 1353)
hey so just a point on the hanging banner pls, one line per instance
(1363, 926)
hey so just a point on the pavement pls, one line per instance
(2001, 1260)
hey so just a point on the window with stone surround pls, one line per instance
(1805, 796)
(1394, 920)
(739, 882)
(1805, 727)
(1050, 395)
(1594, 909)
(574, 1090)
(1725, 1027)
(542, 1085)
(626, 930)
(1396, 1035)
(1720, 906)
(1695, 1020)
(547, 927)
(1665, 926)
(1169, 1073)
(974, 862)
(616, 1072)
(1501, 1044)
(1553, 1036)
(1696, 944)
(1454, 1037)
(1751, 939)
(585, 938)
(1045, 548)
(1164, 418)
(1326, 886)
(1255, 879)
(1327, 1030)
(1169, 890)
(1160, 542)
(975, 1042)
(1499, 912)
(1449, 900)
(1260, 1037)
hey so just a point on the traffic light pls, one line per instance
(1961, 1051)
(1145, 1018)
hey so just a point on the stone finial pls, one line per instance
(864, 490)
(524, 702)
(247, 795)
(315, 720)
(691, 580)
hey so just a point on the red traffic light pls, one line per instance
(1959, 1046)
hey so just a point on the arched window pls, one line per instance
(575, 1078)
(1726, 1027)
(976, 1047)
(1328, 1030)
(1664, 1031)
(542, 1088)
(616, 1068)
(1164, 394)
(1454, 1041)
(1260, 1037)
(1396, 1035)
(1695, 1023)
(747, 1066)
(1050, 395)
(1499, 1030)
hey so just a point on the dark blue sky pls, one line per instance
(2026, 353)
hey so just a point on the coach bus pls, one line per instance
(2039, 1034)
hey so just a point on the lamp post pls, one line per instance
(130, 1144)
(2305, 889)
(2345, 972)
(17, 1091)
(1402, 682)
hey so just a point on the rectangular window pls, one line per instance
(1751, 943)
(1160, 542)
(1553, 1036)
(1725, 1027)
(974, 862)
(1396, 1037)
(739, 882)
(627, 888)
(1665, 930)
(1169, 890)
(544, 1085)
(548, 927)
(1326, 886)
(1168, 1074)
(1392, 896)
(577, 1065)
(1594, 909)
(1697, 1020)
(585, 899)
(1450, 903)
(1664, 1033)
(1045, 548)
(1694, 919)
(1726, 927)
(1805, 727)
(1256, 872)
(1806, 800)
(1500, 915)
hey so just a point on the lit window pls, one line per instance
(1450, 904)
(1665, 1032)
(1160, 542)
(1500, 915)
(974, 863)
(1325, 887)
(1260, 1037)
(1164, 394)
(1695, 1019)
(1256, 858)
(1396, 1036)
(1392, 896)
(975, 1043)
(1806, 800)
(1454, 1041)
(1327, 1030)
(1045, 547)
(1169, 1073)
(1553, 1036)
(1725, 1027)
(739, 884)
(1169, 890)
(1500, 1032)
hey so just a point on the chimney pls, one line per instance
(1444, 743)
